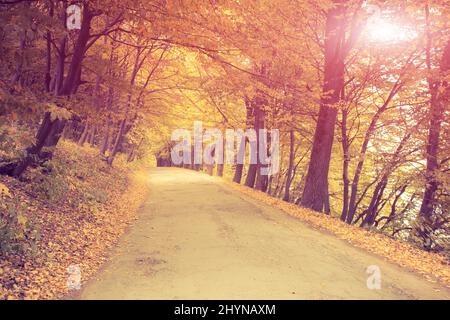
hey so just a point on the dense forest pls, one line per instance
(358, 89)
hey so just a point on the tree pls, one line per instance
(337, 46)
(440, 93)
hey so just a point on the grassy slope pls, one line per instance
(70, 214)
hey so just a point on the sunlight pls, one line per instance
(380, 30)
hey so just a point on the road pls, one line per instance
(196, 238)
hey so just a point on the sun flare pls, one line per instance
(379, 30)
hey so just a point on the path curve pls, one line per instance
(195, 238)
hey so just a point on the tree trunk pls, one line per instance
(242, 144)
(134, 150)
(240, 166)
(33, 151)
(104, 145)
(48, 77)
(238, 173)
(439, 99)
(220, 168)
(209, 169)
(68, 130)
(372, 210)
(19, 66)
(290, 167)
(117, 142)
(261, 180)
(56, 82)
(359, 167)
(84, 134)
(55, 133)
(73, 74)
(346, 151)
(254, 167)
(315, 193)
(58, 79)
(91, 139)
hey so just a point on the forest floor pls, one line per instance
(197, 237)
(61, 217)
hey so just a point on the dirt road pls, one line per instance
(195, 238)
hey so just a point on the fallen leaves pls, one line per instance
(77, 230)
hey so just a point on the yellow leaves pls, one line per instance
(22, 219)
(58, 113)
(4, 191)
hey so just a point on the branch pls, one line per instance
(105, 31)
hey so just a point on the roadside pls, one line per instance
(434, 267)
